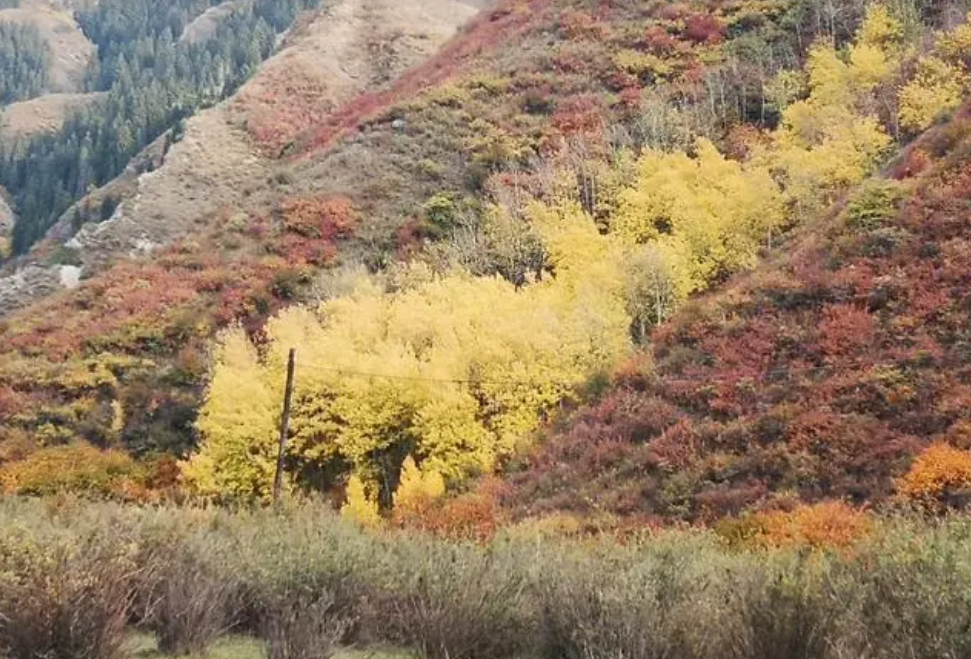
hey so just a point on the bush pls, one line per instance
(457, 601)
(822, 526)
(789, 610)
(193, 605)
(75, 468)
(654, 602)
(304, 625)
(63, 597)
(73, 574)
(875, 205)
(940, 476)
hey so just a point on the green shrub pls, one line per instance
(304, 624)
(651, 601)
(74, 574)
(788, 610)
(875, 205)
(193, 605)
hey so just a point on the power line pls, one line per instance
(700, 379)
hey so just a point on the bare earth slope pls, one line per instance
(350, 47)
(40, 115)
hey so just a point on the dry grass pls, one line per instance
(45, 114)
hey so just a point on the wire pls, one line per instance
(700, 379)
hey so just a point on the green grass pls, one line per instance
(234, 646)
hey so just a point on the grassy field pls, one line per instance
(236, 646)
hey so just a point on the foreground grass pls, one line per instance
(140, 645)
(144, 646)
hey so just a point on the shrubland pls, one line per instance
(456, 370)
(78, 578)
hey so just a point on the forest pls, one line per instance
(24, 62)
(153, 81)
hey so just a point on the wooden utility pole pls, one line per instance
(284, 426)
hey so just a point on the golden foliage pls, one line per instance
(417, 489)
(832, 139)
(938, 87)
(939, 470)
(705, 216)
(359, 507)
(464, 367)
(828, 525)
(238, 425)
(75, 468)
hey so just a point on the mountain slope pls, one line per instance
(350, 47)
(71, 50)
(535, 113)
(819, 375)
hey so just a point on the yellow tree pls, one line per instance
(938, 87)
(708, 215)
(454, 369)
(358, 506)
(238, 419)
(832, 139)
(417, 489)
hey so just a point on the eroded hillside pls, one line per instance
(350, 47)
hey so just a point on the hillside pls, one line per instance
(324, 64)
(71, 50)
(467, 232)
(821, 374)
(44, 114)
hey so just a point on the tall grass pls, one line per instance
(72, 581)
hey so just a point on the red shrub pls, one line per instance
(10, 402)
(582, 113)
(630, 98)
(846, 330)
(327, 217)
(659, 42)
(677, 447)
(703, 28)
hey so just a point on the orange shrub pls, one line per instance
(941, 470)
(75, 468)
(828, 525)
(581, 25)
(327, 217)
(474, 516)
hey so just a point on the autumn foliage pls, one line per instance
(937, 475)
(80, 469)
(568, 184)
(822, 526)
